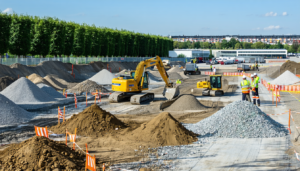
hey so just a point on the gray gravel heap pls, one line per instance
(51, 91)
(240, 119)
(104, 77)
(10, 113)
(23, 91)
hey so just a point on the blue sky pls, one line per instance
(171, 17)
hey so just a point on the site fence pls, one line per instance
(80, 60)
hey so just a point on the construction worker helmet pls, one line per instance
(252, 75)
(244, 76)
(255, 74)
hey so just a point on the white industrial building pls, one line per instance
(190, 53)
(251, 53)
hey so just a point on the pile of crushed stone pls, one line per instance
(240, 119)
(175, 69)
(186, 102)
(104, 77)
(49, 90)
(11, 113)
(164, 130)
(41, 153)
(59, 83)
(24, 91)
(5, 82)
(287, 78)
(87, 86)
(93, 121)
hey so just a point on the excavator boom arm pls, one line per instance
(140, 69)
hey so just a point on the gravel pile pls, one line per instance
(49, 90)
(186, 102)
(24, 91)
(87, 86)
(104, 77)
(175, 69)
(287, 78)
(240, 119)
(11, 113)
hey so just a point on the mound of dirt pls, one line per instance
(164, 130)
(186, 102)
(23, 91)
(93, 121)
(37, 79)
(87, 86)
(104, 77)
(5, 82)
(59, 83)
(175, 69)
(123, 72)
(41, 153)
(289, 65)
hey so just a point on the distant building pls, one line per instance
(190, 53)
(247, 54)
(268, 39)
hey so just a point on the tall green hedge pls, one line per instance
(25, 35)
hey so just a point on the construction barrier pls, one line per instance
(41, 131)
(61, 115)
(209, 73)
(72, 137)
(90, 161)
(283, 88)
(236, 74)
(75, 99)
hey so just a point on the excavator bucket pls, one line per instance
(171, 93)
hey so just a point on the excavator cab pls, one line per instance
(216, 82)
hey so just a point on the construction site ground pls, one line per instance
(206, 154)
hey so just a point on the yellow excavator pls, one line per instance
(126, 87)
(212, 87)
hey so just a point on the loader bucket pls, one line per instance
(171, 93)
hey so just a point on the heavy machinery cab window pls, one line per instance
(215, 82)
(146, 80)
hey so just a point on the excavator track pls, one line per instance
(141, 97)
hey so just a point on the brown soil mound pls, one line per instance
(93, 121)
(5, 82)
(37, 79)
(40, 153)
(59, 83)
(164, 130)
(186, 102)
(87, 86)
(288, 65)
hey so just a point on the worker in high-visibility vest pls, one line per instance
(211, 67)
(245, 84)
(253, 88)
(256, 66)
(256, 81)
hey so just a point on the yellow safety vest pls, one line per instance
(245, 84)
(256, 82)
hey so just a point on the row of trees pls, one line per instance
(24, 35)
(234, 44)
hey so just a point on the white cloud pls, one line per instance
(8, 11)
(272, 28)
(271, 14)
(284, 13)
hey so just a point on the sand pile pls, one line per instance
(37, 79)
(49, 90)
(87, 86)
(175, 69)
(56, 82)
(104, 77)
(24, 91)
(164, 130)
(287, 78)
(41, 153)
(5, 81)
(11, 113)
(289, 65)
(93, 121)
(186, 102)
